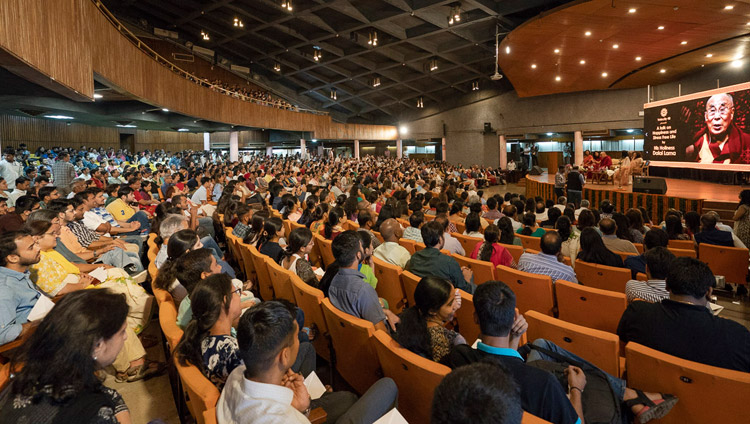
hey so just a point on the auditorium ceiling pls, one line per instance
(418, 58)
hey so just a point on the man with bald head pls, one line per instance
(610, 239)
(721, 141)
(391, 251)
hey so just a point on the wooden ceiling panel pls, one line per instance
(701, 24)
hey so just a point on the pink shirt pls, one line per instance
(500, 255)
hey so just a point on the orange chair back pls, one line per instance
(265, 286)
(280, 280)
(247, 261)
(602, 276)
(308, 299)
(589, 306)
(530, 242)
(409, 245)
(731, 262)
(465, 318)
(378, 236)
(639, 247)
(389, 284)
(515, 251)
(416, 377)
(287, 226)
(707, 394)
(151, 253)
(483, 270)
(4, 376)
(468, 243)
(325, 250)
(404, 222)
(293, 225)
(428, 217)
(409, 282)
(202, 394)
(681, 244)
(161, 295)
(351, 225)
(356, 359)
(168, 322)
(533, 291)
(153, 271)
(532, 419)
(689, 253)
(151, 241)
(598, 347)
(230, 241)
(625, 255)
(460, 227)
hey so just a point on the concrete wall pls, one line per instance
(592, 110)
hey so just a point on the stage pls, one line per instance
(685, 195)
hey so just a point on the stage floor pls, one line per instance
(687, 189)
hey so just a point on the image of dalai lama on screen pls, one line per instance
(720, 140)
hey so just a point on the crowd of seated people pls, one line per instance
(257, 352)
(251, 95)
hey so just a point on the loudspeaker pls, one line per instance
(651, 185)
(536, 170)
(487, 127)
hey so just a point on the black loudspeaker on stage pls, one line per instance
(536, 170)
(651, 185)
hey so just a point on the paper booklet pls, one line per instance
(392, 417)
(42, 306)
(315, 387)
(99, 273)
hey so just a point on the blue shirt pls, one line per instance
(351, 294)
(18, 295)
(544, 264)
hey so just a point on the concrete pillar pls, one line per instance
(399, 149)
(269, 149)
(206, 141)
(302, 148)
(503, 152)
(578, 148)
(356, 149)
(234, 145)
(321, 152)
(444, 149)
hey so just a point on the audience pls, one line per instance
(594, 251)
(430, 261)
(549, 260)
(656, 237)
(711, 234)
(295, 256)
(609, 228)
(490, 250)
(658, 260)
(390, 251)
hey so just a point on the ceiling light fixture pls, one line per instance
(238, 23)
(533, 66)
(550, 134)
(182, 130)
(334, 94)
(728, 7)
(660, 27)
(286, 4)
(662, 71)
(58, 117)
(557, 50)
(433, 65)
(629, 131)
(557, 78)
(126, 126)
(709, 55)
(604, 74)
(507, 49)
(637, 58)
(475, 86)
(277, 67)
(615, 46)
(582, 62)
(375, 82)
(737, 64)
(205, 36)
(631, 10)
(420, 102)
(97, 96)
(683, 42)
(317, 54)
(373, 39)
(165, 110)
(455, 15)
(587, 33)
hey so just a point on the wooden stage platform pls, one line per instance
(685, 195)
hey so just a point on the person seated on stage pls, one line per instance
(588, 159)
(266, 389)
(542, 394)
(710, 234)
(656, 237)
(430, 261)
(390, 251)
(683, 325)
(658, 260)
(422, 328)
(490, 250)
(548, 261)
(530, 227)
(605, 161)
(479, 393)
(594, 251)
(608, 228)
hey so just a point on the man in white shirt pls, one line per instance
(390, 251)
(266, 391)
(201, 194)
(512, 212)
(22, 185)
(584, 205)
(336, 188)
(450, 244)
(9, 168)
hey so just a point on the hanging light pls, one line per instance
(277, 67)
(475, 86)
(454, 15)
(372, 40)
(205, 36)
(286, 4)
(375, 82)
(433, 65)
(420, 102)
(317, 54)
(334, 94)
(238, 23)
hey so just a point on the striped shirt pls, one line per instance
(545, 264)
(651, 291)
(83, 234)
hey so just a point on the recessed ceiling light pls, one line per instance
(557, 50)
(183, 130)
(507, 50)
(615, 46)
(728, 7)
(631, 10)
(58, 117)
(97, 96)
(629, 131)
(638, 58)
(660, 27)
(588, 33)
(737, 64)
(550, 134)
(709, 55)
(125, 126)
(582, 62)
(683, 42)
(165, 110)
(604, 74)
(662, 71)
(557, 78)
(533, 66)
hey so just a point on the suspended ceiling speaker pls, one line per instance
(497, 76)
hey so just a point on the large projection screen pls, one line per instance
(707, 130)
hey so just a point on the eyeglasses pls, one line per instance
(723, 111)
(238, 292)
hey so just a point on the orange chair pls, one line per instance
(230, 242)
(689, 253)
(533, 291)
(325, 250)
(280, 281)
(465, 318)
(639, 247)
(416, 377)
(598, 347)
(409, 282)
(202, 394)
(152, 252)
(530, 242)
(404, 222)
(389, 284)
(731, 262)
(247, 261)
(308, 299)
(351, 225)
(287, 226)
(151, 241)
(483, 270)
(532, 419)
(293, 225)
(379, 236)
(625, 255)
(161, 295)
(153, 271)
(602, 276)
(265, 286)
(682, 244)
(515, 251)
(460, 227)
(707, 394)
(168, 323)
(356, 359)
(408, 245)
(589, 307)
(468, 243)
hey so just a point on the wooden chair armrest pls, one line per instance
(318, 416)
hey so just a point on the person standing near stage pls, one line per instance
(560, 181)
(575, 186)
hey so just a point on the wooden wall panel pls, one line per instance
(47, 133)
(167, 140)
